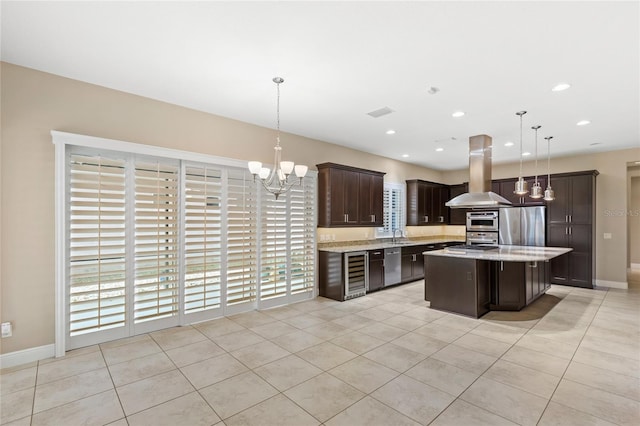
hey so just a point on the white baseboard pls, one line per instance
(612, 284)
(25, 356)
(635, 266)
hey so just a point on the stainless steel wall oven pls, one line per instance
(486, 221)
(482, 227)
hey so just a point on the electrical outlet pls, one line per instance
(6, 329)
(607, 236)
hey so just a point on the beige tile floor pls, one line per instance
(571, 358)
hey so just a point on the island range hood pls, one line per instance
(479, 195)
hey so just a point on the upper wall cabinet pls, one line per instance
(458, 216)
(349, 196)
(426, 203)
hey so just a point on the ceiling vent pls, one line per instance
(380, 112)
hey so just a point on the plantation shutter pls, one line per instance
(273, 246)
(97, 252)
(203, 238)
(303, 229)
(393, 213)
(156, 241)
(242, 246)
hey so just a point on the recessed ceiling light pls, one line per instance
(508, 144)
(525, 154)
(560, 87)
(405, 155)
(583, 123)
(458, 114)
(433, 90)
(391, 132)
(439, 149)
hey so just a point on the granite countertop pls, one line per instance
(379, 245)
(505, 253)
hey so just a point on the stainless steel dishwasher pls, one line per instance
(392, 262)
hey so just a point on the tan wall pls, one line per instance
(611, 201)
(34, 103)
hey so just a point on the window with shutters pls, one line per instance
(156, 241)
(202, 238)
(302, 236)
(394, 216)
(153, 242)
(97, 248)
(242, 238)
(274, 246)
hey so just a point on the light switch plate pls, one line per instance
(607, 235)
(6, 329)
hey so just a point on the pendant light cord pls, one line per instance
(520, 113)
(536, 152)
(278, 113)
(548, 138)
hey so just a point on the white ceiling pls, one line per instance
(341, 60)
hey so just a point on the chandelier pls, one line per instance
(521, 184)
(277, 181)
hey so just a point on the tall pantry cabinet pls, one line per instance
(571, 223)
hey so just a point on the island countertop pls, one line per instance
(504, 253)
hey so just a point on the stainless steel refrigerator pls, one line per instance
(522, 226)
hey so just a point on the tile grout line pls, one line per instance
(115, 389)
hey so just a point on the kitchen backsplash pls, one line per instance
(326, 235)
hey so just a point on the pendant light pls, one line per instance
(549, 194)
(276, 181)
(536, 189)
(521, 184)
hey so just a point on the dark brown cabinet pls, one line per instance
(458, 285)
(348, 196)
(376, 269)
(517, 284)
(412, 263)
(371, 199)
(458, 216)
(426, 203)
(571, 224)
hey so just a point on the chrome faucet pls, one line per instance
(394, 235)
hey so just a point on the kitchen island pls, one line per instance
(473, 282)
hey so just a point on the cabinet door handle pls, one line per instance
(533, 264)
(566, 218)
(570, 230)
(570, 218)
(566, 230)
(501, 265)
(426, 218)
(373, 218)
(440, 218)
